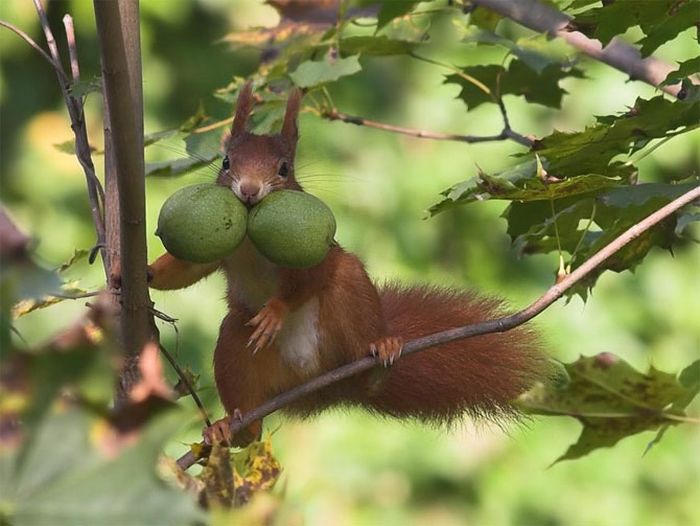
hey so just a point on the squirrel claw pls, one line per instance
(267, 324)
(387, 349)
(218, 433)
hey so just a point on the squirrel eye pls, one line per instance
(283, 170)
(225, 163)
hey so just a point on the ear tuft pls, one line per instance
(243, 109)
(290, 131)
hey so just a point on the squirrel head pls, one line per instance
(255, 165)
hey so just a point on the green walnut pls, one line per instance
(292, 229)
(202, 223)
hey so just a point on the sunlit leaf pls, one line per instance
(660, 20)
(685, 70)
(612, 400)
(314, 73)
(592, 149)
(218, 478)
(181, 388)
(64, 479)
(84, 87)
(392, 9)
(256, 469)
(380, 45)
(482, 84)
(178, 167)
(521, 183)
(484, 18)
(78, 255)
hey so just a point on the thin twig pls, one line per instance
(36, 46)
(183, 378)
(75, 112)
(507, 133)
(498, 325)
(334, 115)
(162, 316)
(76, 296)
(72, 48)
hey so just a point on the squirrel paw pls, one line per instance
(115, 277)
(218, 433)
(267, 324)
(387, 349)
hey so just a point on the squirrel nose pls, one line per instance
(249, 191)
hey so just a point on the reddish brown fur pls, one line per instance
(479, 376)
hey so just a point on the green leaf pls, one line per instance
(153, 138)
(685, 219)
(541, 88)
(83, 87)
(473, 93)
(196, 120)
(177, 167)
(660, 20)
(314, 73)
(677, 17)
(30, 281)
(78, 255)
(69, 148)
(484, 18)
(148, 139)
(612, 400)
(392, 9)
(268, 117)
(592, 149)
(685, 70)
(540, 51)
(380, 45)
(522, 183)
(65, 480)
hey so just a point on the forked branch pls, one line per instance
(333, 114)
(537, 16)
(74, 106)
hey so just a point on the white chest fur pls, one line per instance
(298, 341)
(253, 281)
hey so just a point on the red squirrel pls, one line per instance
(286, 326)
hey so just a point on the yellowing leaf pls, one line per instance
(612, 400)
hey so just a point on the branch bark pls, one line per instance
(118, 34)
(499, 325)
(77, 118)
(624, 57)
(334, 115)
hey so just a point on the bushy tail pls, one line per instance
(478, 376)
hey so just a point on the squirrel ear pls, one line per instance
(290, 130)
(243, 107)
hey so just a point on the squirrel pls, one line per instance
(285, 326)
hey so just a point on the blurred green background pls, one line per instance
(345, 467)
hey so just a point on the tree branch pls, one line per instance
(24, 36)
(75, 112)
(333, 114)
(499, 325)
(618, 54)
(72, 48)
(118, 34)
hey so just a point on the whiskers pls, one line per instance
(325, 181)
(205, 166)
